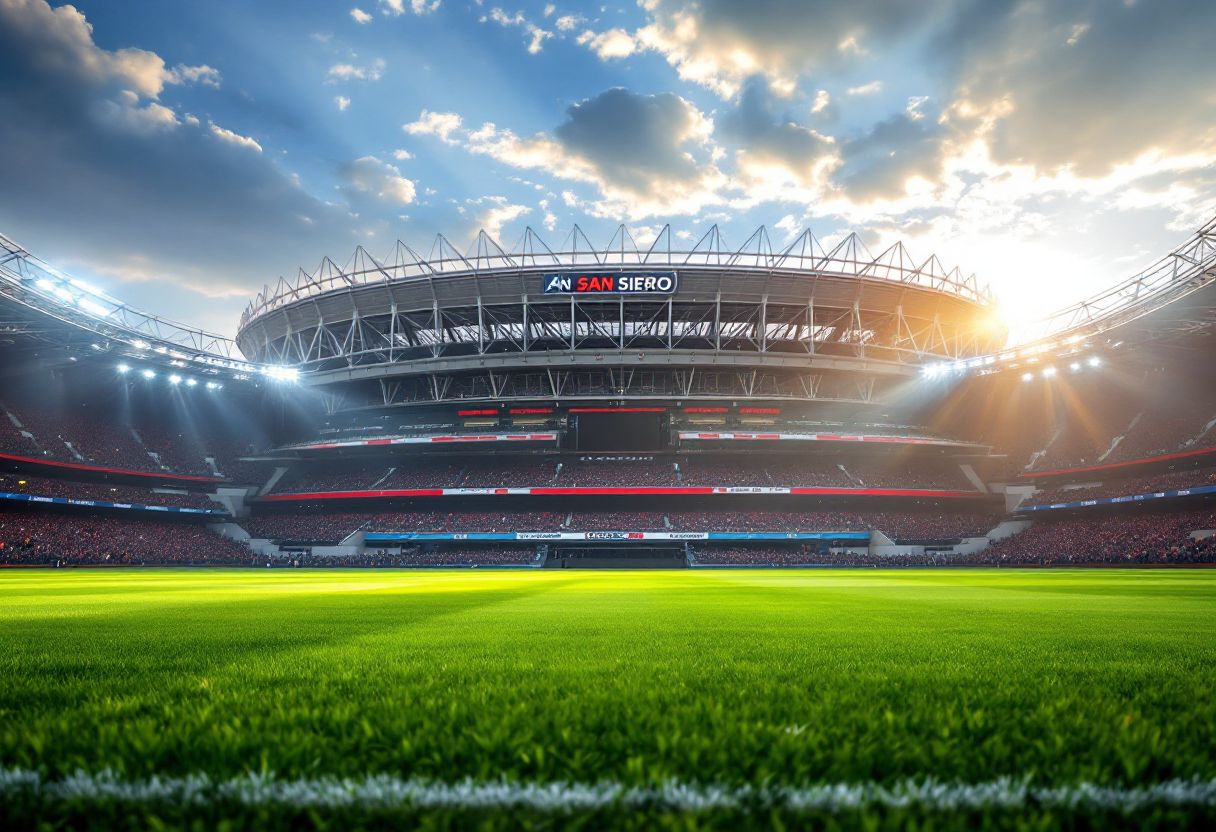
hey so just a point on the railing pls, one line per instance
(805, 254)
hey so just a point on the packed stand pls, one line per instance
(49, 538)
(473, 556)
(913, 526)
(766, 521)
(47, 487)
(1130, 486)
(1138, 539)
(772, 472)
(1166, 429)
(442, 522)
(492, 472)
(310, 528)
(755, 556)
(310, 480)
(617, 521)
(592, 472)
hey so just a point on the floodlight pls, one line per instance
(149, 374)
(211, 385)
(1048, 372)
(123, 368)
(190, 382)
(1027, 376)
(1074, 366)
(175, 379)
(1095, 361)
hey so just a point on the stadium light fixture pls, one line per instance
(175, 379)
(123, 368)
(1094, 361)
(149, 374)
(1074, 366)
(1048, 372)
(211, 385)
(191, 382)
(1027, 376)
(282, 373)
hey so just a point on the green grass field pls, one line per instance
(758, 687)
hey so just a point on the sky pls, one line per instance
(182, 155)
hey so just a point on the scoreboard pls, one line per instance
(612, 283)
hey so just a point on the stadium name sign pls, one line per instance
(612, 283)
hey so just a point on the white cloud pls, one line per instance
(646, 155)
(234, 138)
(914, 105)
(550, 9)
(822, 99)
(402, 155)
(342, 101)
(128, 81)
(569, 22)
(615, 43)
(871, 88)
(369, 176)
(360, 16)
(397, 7)
(499, 213)
(538, 35)
(440, 125)
(182, 74)
(348, 72)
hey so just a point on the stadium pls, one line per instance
(711, 444)
(598, 407)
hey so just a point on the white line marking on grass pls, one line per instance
(385, 791)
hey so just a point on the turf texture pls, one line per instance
(743, 680)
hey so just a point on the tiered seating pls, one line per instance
(32, 537)
(46, 487)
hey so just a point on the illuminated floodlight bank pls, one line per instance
(123, 368)
(282, 373)
(149, 374)
(175, 379)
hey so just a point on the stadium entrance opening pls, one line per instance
(617, 557)
(617, 432)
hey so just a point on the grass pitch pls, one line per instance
(744, 682)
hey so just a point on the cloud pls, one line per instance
(234, 138)
(498, 213)
(866, 89)
(342, 101)
(440, 125)
(398, 7)
(537, 34)
(402, 155)
(96, 173)
(360, 16)
(722, 43)
(615, 43)
(348, 72)
(569, 22)
(370, 176)
(1087, 86)
(645, 154)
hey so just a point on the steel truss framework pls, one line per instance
(1187, 269)
(633, 384)
(51, 302)
(401, 316)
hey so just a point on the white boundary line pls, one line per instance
(385, 791)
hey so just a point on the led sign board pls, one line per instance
(612, 283)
